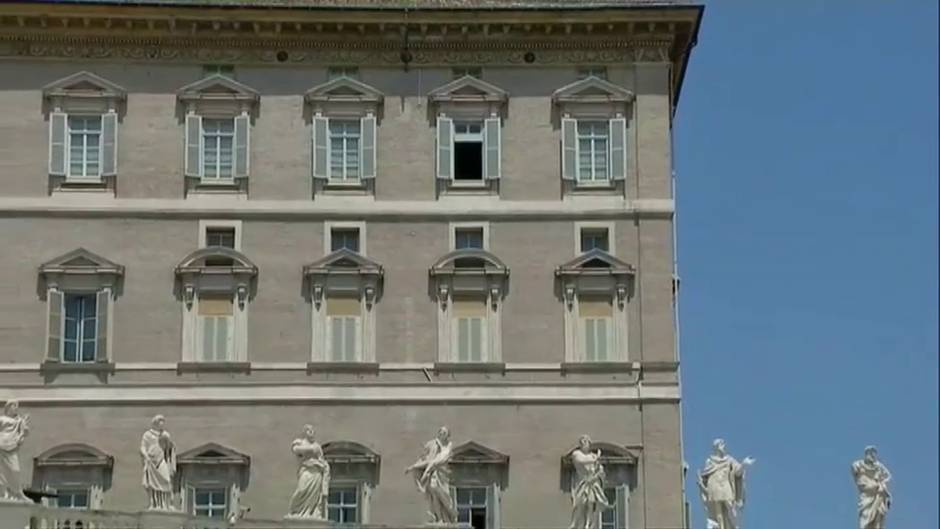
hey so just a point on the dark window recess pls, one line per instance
(224, 237)
(468, 160)
(344, 238)
(468, 238)
(594, 238)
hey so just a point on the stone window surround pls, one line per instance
(328, 227)
(608, 225)
(207, 224)
(475, 465)
(354, 464)
(225, 469)
(74, 465)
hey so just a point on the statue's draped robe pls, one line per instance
(159, 466)
(436, 485)
(874, 500)
(587, 493)
(12, 431)
(723, 491)
(313, 481)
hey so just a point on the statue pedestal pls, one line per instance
(305, 523)
(16, 514)
(163, 519)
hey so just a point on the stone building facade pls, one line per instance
(375, 217)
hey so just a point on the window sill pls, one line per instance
(213, 367)
(599, 367)
(342, 367)
(58, 368)
(470, 367)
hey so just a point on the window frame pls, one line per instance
(197, 489)
(201, 355)
(329, 226)
(581, 226)
(345, 137)
(208, 224)
(85, 176)
(80, 328)
(357, 488)
(470, 506)
(593, 138)
(217, 178)
(454, 227)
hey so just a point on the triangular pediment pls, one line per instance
(344, 259)
(473, 452)
(596, 259)
(344, 88)
(84, 84)
(217, 86)
(468, 88)
(592, 89)
(79, 260)
(213, 452)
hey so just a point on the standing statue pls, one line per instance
(721, 484)
(313, 478)
(158, 455)
(432, 476)
(13, 430)
(587, 494)
(874, 500)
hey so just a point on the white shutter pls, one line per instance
(492, 507)
(321, 150)
(367, 144)
(102, 307)
(569, 148)
(491, 139)
(365, 498)
(242, 145)
(193, 155)
(109, 124)
(55, 321)
(58, 161)
(623, 507)
(618, 148)
(234, 501)
(445, 148)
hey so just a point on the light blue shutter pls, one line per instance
(193, 162)
(367, 155)
(54, 321)
(321, 151)
(103, 306)
(109, 124)
(623, 507)
(618, 148)
(492, 139)
(242, 145)
(492, 507)
(445, 148)
(58, 122)
(569, 148)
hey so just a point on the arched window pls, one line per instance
(354, 475)
(212, 479)
(79, 474)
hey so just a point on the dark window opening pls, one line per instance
(468, 160)
(224, 237)
(344, 238)
(468, 238)
(594, 238)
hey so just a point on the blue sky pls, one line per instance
(806, 151)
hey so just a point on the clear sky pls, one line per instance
(806, 153)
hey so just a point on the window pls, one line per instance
(344, 150)
(463, 71)
(470, 329)
(597, 328)
(468, 151)
(468, 238)
(335, 72)
(592, 151)
(347, 238)
(84, 146)
(224, 237)
(227, 70)
(592, 71)
(344, 322)
(81, 328)
(471, 506)
(609, 516)
(210, 503)
(592, 238)
(72, 498)
(218, 136)
(217, 325)
(343, 504)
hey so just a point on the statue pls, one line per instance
(13, 430)
(432, 476)
(158, 455)
(874, 500)
(313, 478)
(721, 484)
(587, 494)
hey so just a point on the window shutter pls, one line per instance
(623, 507)
(234, 500)
(103, 307)
(242, 145)
(492, 507)
(58, 122)
(367, 154)
(618, 148)
(445, 148)
(321, 151)
(55, 322)
(492, 139)
(189, 499)
(193, 145)
(109, 124)
(569, 148)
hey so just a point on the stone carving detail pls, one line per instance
(432, 476)
(587, 492)
(874, 500)
(158, 454)
(313, 478)
(13, 430)
(721, 484)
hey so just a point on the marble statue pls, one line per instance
(587, 492)
(158, 455)
(313, 478)
(874, 500)
(721, 484)
(13, 430)
(432, 476)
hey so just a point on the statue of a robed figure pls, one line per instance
(874, 500)
(432, 476)
(721, 484)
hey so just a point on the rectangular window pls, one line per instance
(227, 70)
(335, 72)
(345, 136)
(84, 146)
(593, 151)
(72, 498)
(218, 139)
(217, 322)
(344, 238)
(470, 329)
(81, 328)
(592, 238)
(468, 151)
(211, 503)
(609, 517)
(343, 316)
(342, 504)
(593, 71)
(597, 326)
(463, 71)
(224, 237)
(468, 238)
(471, 507)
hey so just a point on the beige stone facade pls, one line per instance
(521, 389)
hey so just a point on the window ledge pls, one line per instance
(213, 367)
(599, 367)
(58, 368)
(342, 367)
(470, 367)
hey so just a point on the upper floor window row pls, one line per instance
(218, 113)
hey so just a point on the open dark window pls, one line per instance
(347, 238)
(468, 151)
